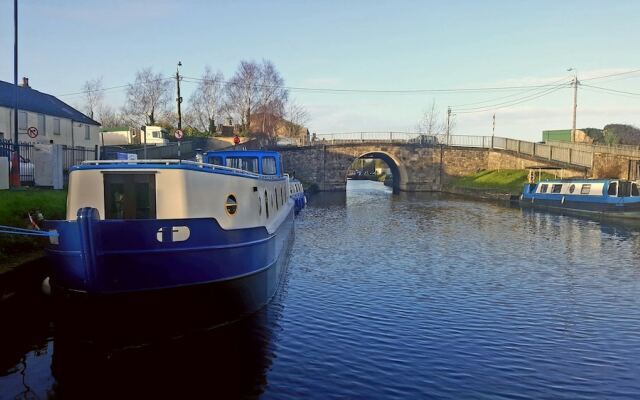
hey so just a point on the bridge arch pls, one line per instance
(397, 168)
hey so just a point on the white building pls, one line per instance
(155, 135)
(56, 122)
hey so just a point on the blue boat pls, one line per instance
(145, 228)
(296, 192)
(602, 197)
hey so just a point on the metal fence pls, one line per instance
(76, 155)
(575, 156)
(25, 152)
(619, 149)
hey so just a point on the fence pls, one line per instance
(619, 149)
(552, 152)
(25, 152)
(76, 155)
(71, 156)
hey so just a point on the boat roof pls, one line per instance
(583, 180)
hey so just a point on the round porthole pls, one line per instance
(231, 205)
(572, 188)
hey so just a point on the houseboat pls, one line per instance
(603, 197)
(137, 228)
(296, 191)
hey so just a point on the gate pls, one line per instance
(25, 152)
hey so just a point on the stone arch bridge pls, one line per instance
(415, 166)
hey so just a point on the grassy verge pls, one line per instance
(503, 181)
(15, 204)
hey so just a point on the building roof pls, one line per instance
(38, 102)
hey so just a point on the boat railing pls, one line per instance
(202, 165)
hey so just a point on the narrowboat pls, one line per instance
(138, 228)
(604, 197)
(296, 191)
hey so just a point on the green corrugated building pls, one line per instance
(559, 135)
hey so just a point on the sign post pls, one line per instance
(179, 135)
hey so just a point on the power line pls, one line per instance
(513, 103)
(378, 91)
(612, 90)
(508, 96)
(610, 75)
(111, 88)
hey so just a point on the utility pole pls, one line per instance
(575, 108)
(493, 129)
(179, 99)
(15, 170)
(448, 123)
(575, 102)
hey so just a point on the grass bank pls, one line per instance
(15, 205)
(504, 181)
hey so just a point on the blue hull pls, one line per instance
(123, 258)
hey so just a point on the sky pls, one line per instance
(366, 45)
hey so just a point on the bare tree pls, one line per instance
(296, 119)
(430, 123)
(110, 118)
(148, 96)
(206, 102)
(243, 92)
(93, 96)
(273, 97)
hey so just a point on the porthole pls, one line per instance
(572, 188)
(231, 205)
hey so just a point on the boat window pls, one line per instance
(130, 196)
(572, 188)
(634, 190)
(266, 203)
(215, 160)
(624, 189)
(243, 163)
(556, 188)
(277, 205)
(613, 189)
(543, 188)
(586, 188)
(269, 166)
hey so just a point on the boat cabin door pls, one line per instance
(129, 195)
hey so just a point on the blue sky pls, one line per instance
(385, 45)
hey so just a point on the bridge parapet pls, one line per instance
(582, 157)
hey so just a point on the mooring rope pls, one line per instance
(12, 230)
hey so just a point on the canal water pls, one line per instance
(387, 296)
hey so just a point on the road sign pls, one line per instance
(32, 132)
(178, 134)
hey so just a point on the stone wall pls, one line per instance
(511, 160)
(615, 166)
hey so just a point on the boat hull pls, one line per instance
(608, 210)
(138, 262)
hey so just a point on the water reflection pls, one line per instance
(229, 361)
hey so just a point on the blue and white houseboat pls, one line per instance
(162, 226)
(296, 191)
(604, 197)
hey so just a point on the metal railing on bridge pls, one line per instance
(551, 152)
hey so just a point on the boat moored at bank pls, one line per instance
(296, 191)
(141, 226)
(604, 197)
